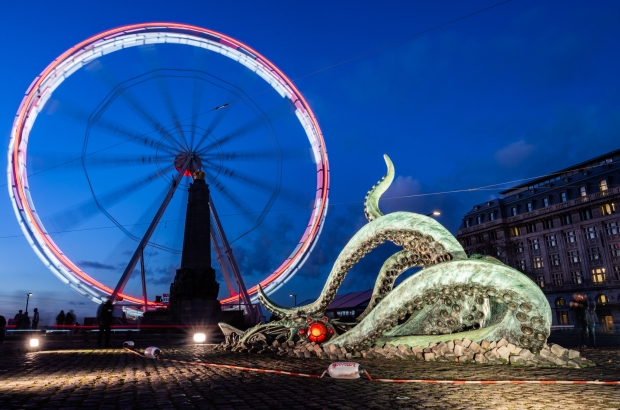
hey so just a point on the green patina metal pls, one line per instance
(452, 297)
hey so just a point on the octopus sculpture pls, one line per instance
(452, 297)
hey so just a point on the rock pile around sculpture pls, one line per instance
(460, 351)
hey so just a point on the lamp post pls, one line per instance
(434, 213)
(295, 298)
(27, 298)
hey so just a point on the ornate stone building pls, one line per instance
(563, 231)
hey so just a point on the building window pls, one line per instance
(531, 228)
(590, 232)
(466, 221)
(514, 231)
(519, 247)
(513, 211)
(602, 299)
(566, 219)
(612, 228)
(563, 197)
(493, 235)
(552, 241)
(479, 239)
(467, 241)
(537, 262)
(602, 184)
(534, 244)
(554, 259)
(585, 214)
(558, 280)
(342, 313)
(521, 265)
(545, 202)
(530, 208)
(548, 223)
(540, 281)
(576, 277)
(582, 191)
(562, 316)
(560, 302)
(598, 275)
(492, 216)
(617, 272)
(573, 257)
(615, 250)
(570, 237)
(594, 253)
(608, 208)
(478, 220)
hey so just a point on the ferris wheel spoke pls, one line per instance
(151, 59)
(118, 88)
(262, 120)
(133, 160)
(80, 213)
(200, 63)
(114, 128)
(244, 211)
(260, 184)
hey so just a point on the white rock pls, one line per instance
(466, 342)
(503, 352)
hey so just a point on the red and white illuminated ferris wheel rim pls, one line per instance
(134, 35)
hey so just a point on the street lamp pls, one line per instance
(27, 297)
(434, 213)
(295, 298)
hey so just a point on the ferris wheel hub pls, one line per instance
(194, 165)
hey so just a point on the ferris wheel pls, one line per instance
(171, 149)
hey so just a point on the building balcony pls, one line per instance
(480, 227)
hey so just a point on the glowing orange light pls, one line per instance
(317, 332)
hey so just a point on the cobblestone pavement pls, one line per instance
(84, 377)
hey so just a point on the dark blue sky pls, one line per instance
(517, 91)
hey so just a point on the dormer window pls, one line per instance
(545, 201)
(530, 208)
(563, 197)
(582, 191)
(513, 211)
(602, 184)
(466, 223)
(492, 216)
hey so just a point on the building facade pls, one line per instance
(563, 231)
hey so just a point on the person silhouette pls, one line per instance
(35, 318)
(2, 328)
(105, 315)
(25, 321)
(60, 319)
(18, 320)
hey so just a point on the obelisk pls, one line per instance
(193, 294)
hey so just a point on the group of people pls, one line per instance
(22, 320)
(68, 319)
(585, 312)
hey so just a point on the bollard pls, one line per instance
(128, 343)
(345, 370)
(152, 352)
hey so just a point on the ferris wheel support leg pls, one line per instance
(149, 232)
(243, 292)
(222, 262)
(143, 274)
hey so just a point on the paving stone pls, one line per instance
(429, 356)
(503, 352)
(558, 350)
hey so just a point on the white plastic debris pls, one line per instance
(345, 370)
(152, 352)
(128, 343)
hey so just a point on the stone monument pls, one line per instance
(193, 294)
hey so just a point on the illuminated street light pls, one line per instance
(200, 337)
(434, 213)
(294, 296)
(27, 298)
